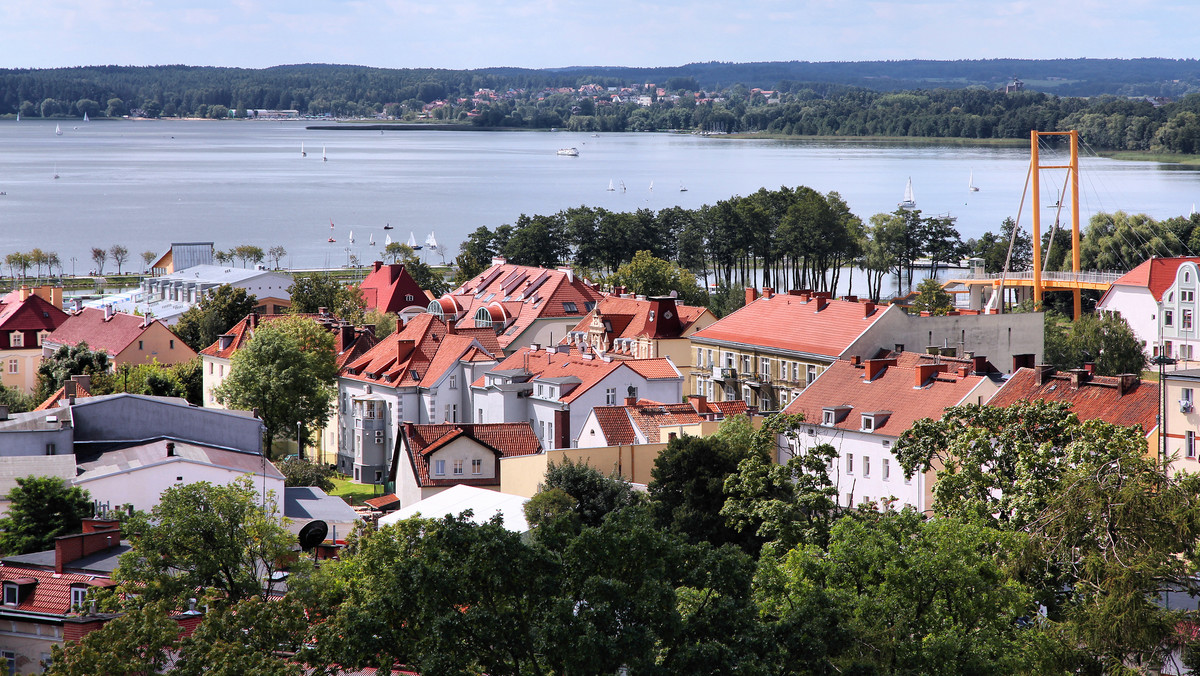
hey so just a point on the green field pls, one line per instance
(353, 493)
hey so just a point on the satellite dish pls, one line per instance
(313, 534)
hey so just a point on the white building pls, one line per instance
(434, 458)
(861, 407)
(1158, 300)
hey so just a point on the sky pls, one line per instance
(553, 33)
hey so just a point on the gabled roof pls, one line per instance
(796, 323)
(631, 318)
(419, 354)
(1155, 274)
(554, 366)
(387, 286)
(359, 340)
(893, 392)
(1099, 398)
(51, 592)
(145, 454)
(518, 295)
(55, 400)
(89, 326)
(483, 504)
(621, 424)
(505, 439)
(32, 314)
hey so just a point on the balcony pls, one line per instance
(723, 373)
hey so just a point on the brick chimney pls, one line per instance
(84, 380)
(68, 548)
(979, 365)
(1044, 373)
(868, 309)
(822, 301)
(451, 329)
(751, 295)
(1079, 377)
(768, 292)
(925, 371)
(1090, 367)
(170, 449)
(699, 402)
(376, 265)
(876, 367)
(631, 401)
(1127, 382)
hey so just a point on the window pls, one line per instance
(408, 297)
(10, 594)
(827, 418)
(458, 466)
(172, 341)
(1185, 352)
(9, 657)
(764, 367)
(1168, 317)
(477, 466)
(610, 396)
(868, 423)
(783, 370)
(454, 382)
(1187, 320)
(210, 368)
(41, 337)
(866, 465)
(550, 434)
(1186, 395)
(479, 417)
(78, 596)
(141, 345)
(849, 463)
(1191, 444)
(14, 366)
(1168, 348)
(570, 307)
(439, 467)
(887, 470)
(16, 339)
(1187, 296)
(540, 390)
(811, 376)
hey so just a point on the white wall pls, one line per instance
(1138, 307)
(864, 445)
(142, 487)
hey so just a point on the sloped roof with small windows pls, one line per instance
(570, 366)
(1096, 398)
(504, 439)
(32, 314)
(518, 295)
(419, 354)
(1156, 274)
(110, 335)
(635, 318)
(640, 422)
(389, 288)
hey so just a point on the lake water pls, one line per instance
(145, 184)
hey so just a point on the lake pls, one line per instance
(145, 184)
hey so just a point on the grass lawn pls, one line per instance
(353, 493)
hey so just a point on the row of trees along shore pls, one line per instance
(729, 564)
(1107, 117)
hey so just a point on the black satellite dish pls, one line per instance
(312, 534)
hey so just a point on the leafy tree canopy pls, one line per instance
(41, 509)
(67, 361)
(216, 313)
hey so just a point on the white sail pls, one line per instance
(909, 202)
(352, 237)
(372, 242)
(57, 130)
(431, 242)
(323, 158)
(651, 185)
(387, 241)
(302, 153)
(412, 240)
(971, 183)
(85, 118)
(610, 185)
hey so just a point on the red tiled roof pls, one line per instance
(1155, 274)
(52, 593)
(630, 318)
(54, 400)
(789, 322)
(243, 331)
(519, 294)
(387, 287)
(893, 391)
(32, 314)
(1098, 399)
(649, 416)
(505, 439)
(729, 408)
(615, 424)
(89, 326)
(542, 364)
(383, 501)
(420, 353)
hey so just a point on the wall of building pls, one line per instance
(467, 451)
(156, 343)
(997, 337)
(143, 487)
(18, 368)
(854, 484)
(521, 475)
(136, 417)
(30, 642)
(1138, 307)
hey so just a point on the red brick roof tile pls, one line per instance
(571, 364)
(615, 424)
(789, 322)
(52, 591)
(89, 326)
(418, 354)
(630, 318)
(1098, 399)
(505, 439)
(1155, 274)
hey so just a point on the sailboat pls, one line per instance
(331, 239)
(909, 202)
(352, 237)
(971, 183)
(682, 187)
(387, 241)
(372, 241)
(85, 118)
(651, 186)
(57, 130)
(18, 116)
(302, 153)
(323, 157)
(55, 171)
(431, 242)
(622, 186)
(610, 185)
(412, 241)
(387, 226)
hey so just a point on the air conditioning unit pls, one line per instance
(1185, 405)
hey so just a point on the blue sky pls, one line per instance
(550, 33)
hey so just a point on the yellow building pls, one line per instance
(27, 316)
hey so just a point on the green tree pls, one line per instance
(1103, 339)
(67, 361)
(16, 400)
(99, 256)
(248, 253)
(595, 494)
(217, 312)
(204, 536)
(41, 509)
(993, 248)
(17, 261)
(115, 108)
(253, 637)
(297, 472)
(287, 372)
(119, 255)
(650, 276)
(932, 298)
(276, 254)
(687, 491)
(148, 257)
(138, 642)
(309, 293)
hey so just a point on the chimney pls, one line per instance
(822, 301)
(1044, 373)
(108, 311)
(979, 365)
(699, 402)
(876, 367)
(170, 449)
(146, 320)
(76, 306)
(499, 260)
(24, 293)
(932, 349)
(322, 311)
(856, 360)
(925, 372)
(1079, 377)
(84, 380)
(868, 310)
(768, 292)
(69, 391)
(450, 326)
(1127, 382)
(618, 290)
(1090, 367)
(631, 401)
(345, 336)
(751, 295)
(964, 371)
(899, 347)
(376, 265)
(253, 317)
(569, 273)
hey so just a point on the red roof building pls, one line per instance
(389, 288)
(1158, 300)
(522, 305)
(861, 407)
(27, 316)
(1120, 400)
(777, 344)
(127, 339)
(639, 422)
(432, 458)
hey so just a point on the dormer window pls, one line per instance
(827, 417)
(78, 595)
(832, 415)
(868, 423)
(874, 420)
(11, 594)
(16, 339)
(570, 307)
